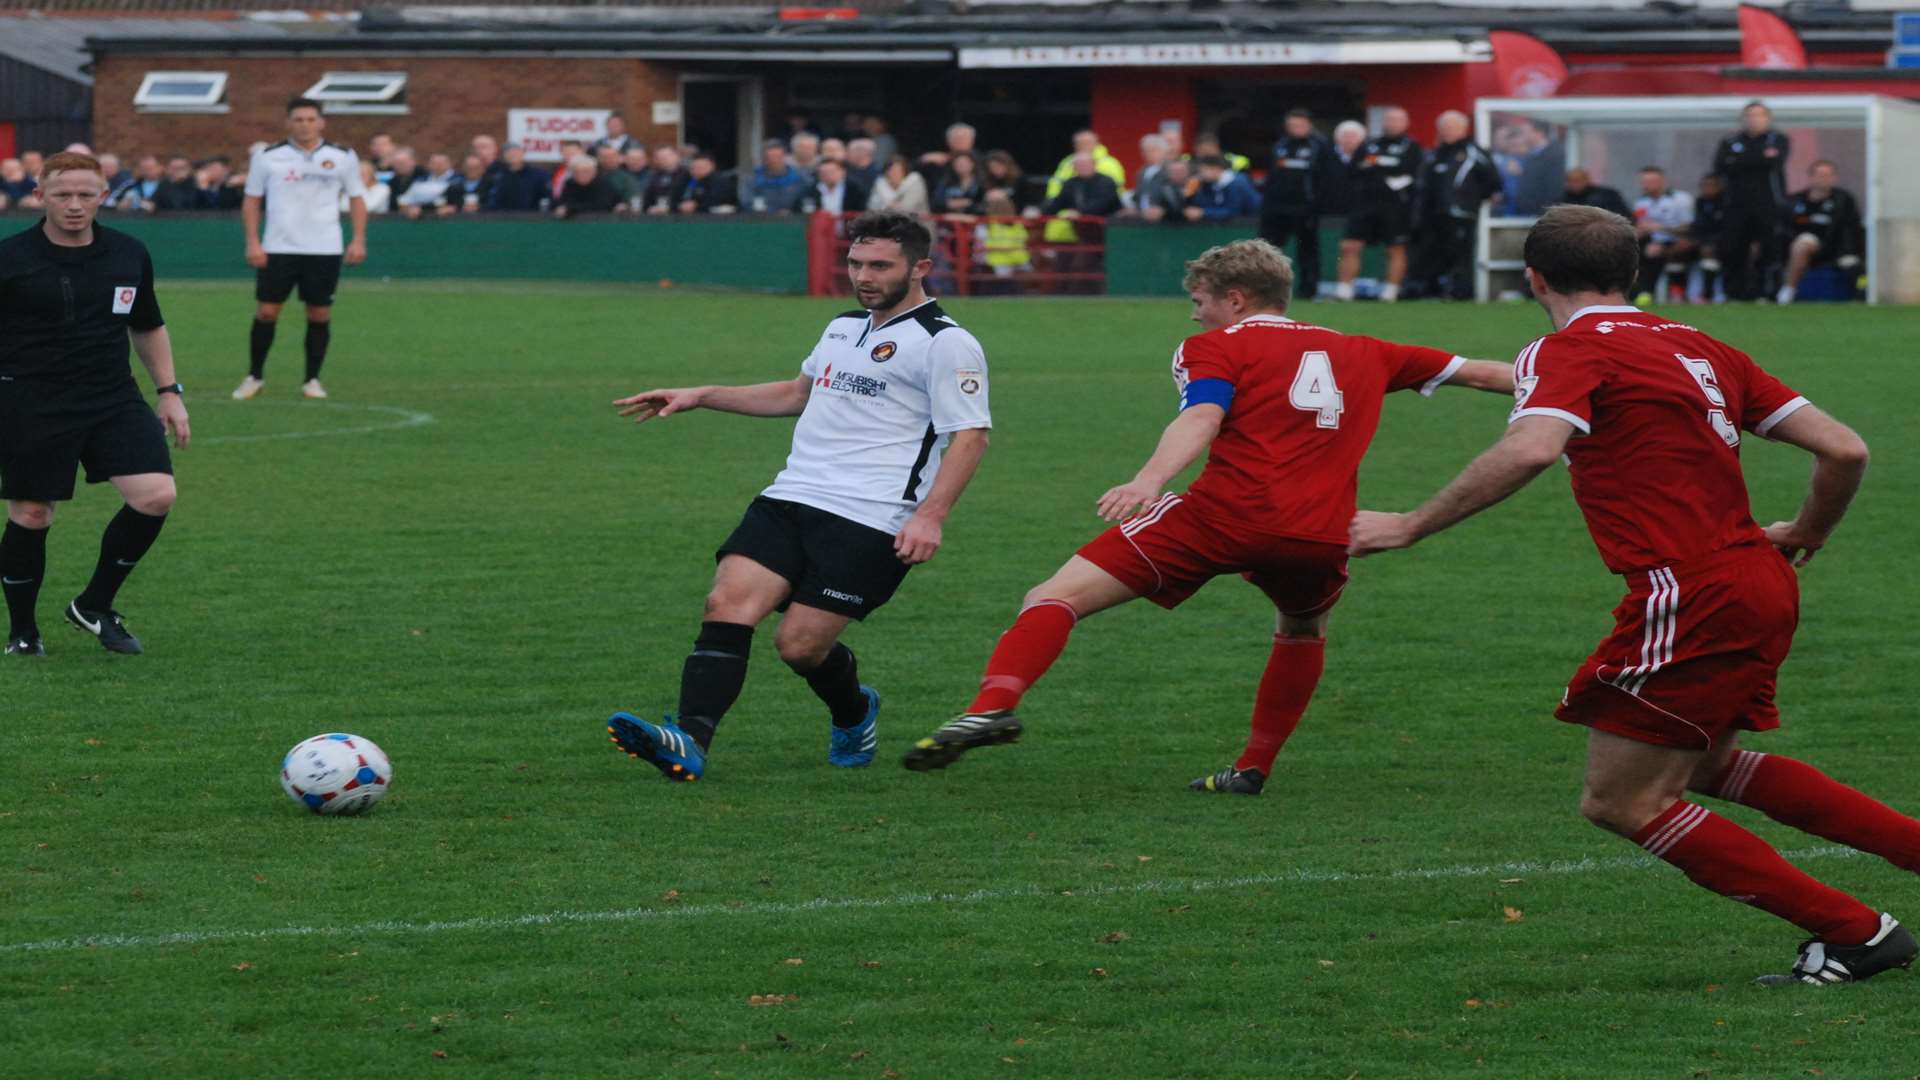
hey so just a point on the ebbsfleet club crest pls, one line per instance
(883, 352)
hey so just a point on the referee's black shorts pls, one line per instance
(46, 436)
(833, 564)
(317, 277)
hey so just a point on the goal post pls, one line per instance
(1874, 141)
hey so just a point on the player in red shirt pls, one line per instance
(1649, 414)
(1284, 411)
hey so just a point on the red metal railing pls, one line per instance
(978, 255)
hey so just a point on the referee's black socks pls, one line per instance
(258, 346)
(711, 679)
(23, 562)
(837, 682)
(127, 538)
(318, 334)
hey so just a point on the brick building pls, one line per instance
(448, 99)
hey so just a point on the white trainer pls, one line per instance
(312, 390)
(249, 389)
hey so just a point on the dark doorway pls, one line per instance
(710, 117)
(1249, 115)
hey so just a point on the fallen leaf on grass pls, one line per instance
(858, 1054)
(441, 1054)
(771, 999)
(891, 1074)
(1181, 910)
(1098, 973)
(793, 961)
(1473, 1003)
(869, 963)
(1513, 914)
(1326, 963)
(1115, 938)
(671, 896)
(1009, 1060)
(1511, 880)
(1144, 858)
(243, 966)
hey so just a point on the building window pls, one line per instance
(182, 91)
(361, 92)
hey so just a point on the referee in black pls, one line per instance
(71, 293)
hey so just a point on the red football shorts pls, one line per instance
(1695, 651)
(1168, 552)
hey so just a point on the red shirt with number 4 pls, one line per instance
(1305, 404)
(1658, 408)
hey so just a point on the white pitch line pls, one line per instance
(1303, 876)
(406, 418)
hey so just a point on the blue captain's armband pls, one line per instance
(1207, 392)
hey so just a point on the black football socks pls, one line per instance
(23, 562)
(318, 334)
(711, 679)
(127, 538)
(258, 345)
(837, 682)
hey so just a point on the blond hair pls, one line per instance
(1255, 267)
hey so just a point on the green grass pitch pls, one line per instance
(465, 557)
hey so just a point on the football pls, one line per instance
(336, 774)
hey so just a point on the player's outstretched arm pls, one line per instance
(920, 537)
(1181, 444)
(786, 398)
(1487, 375)
(1839, 464)
(1530, 445)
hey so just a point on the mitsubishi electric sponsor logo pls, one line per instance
(848, 383)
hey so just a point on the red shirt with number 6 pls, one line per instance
(1657, 408)
(1305, 404)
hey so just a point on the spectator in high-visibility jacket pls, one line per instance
(1085, 141)
(1002, 239)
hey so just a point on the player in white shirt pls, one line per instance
(893, 421)
(303, 182)
(1664, 219)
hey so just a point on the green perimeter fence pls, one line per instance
(767, 254)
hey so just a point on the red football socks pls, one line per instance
(1293, 670)
(1797, 794)
(1722, 856)
(1025, 652)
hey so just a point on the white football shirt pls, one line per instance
(1668, 212)
(885, 401)
(304, 191)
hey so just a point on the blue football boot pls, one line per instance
(852, 748)
(663, 746)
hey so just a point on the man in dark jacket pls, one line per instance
(708, 190)
(518, 186)
(1088, 193)
(177, 191)
(1385, 182)
(1753, 161)
(664, 183)
(1460, 178)
(834, 191)
(1301, 179)
(1582, 191)
(1824, 224)
(586, 191)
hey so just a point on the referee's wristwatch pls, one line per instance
(170, 388)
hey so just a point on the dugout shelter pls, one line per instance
(1874, 140)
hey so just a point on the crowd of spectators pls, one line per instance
(1393, 191)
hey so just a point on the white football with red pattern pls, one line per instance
(336, 774)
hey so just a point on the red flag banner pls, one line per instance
(1766, 41)
(1526, 66)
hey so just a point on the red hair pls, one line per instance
(68, 161)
